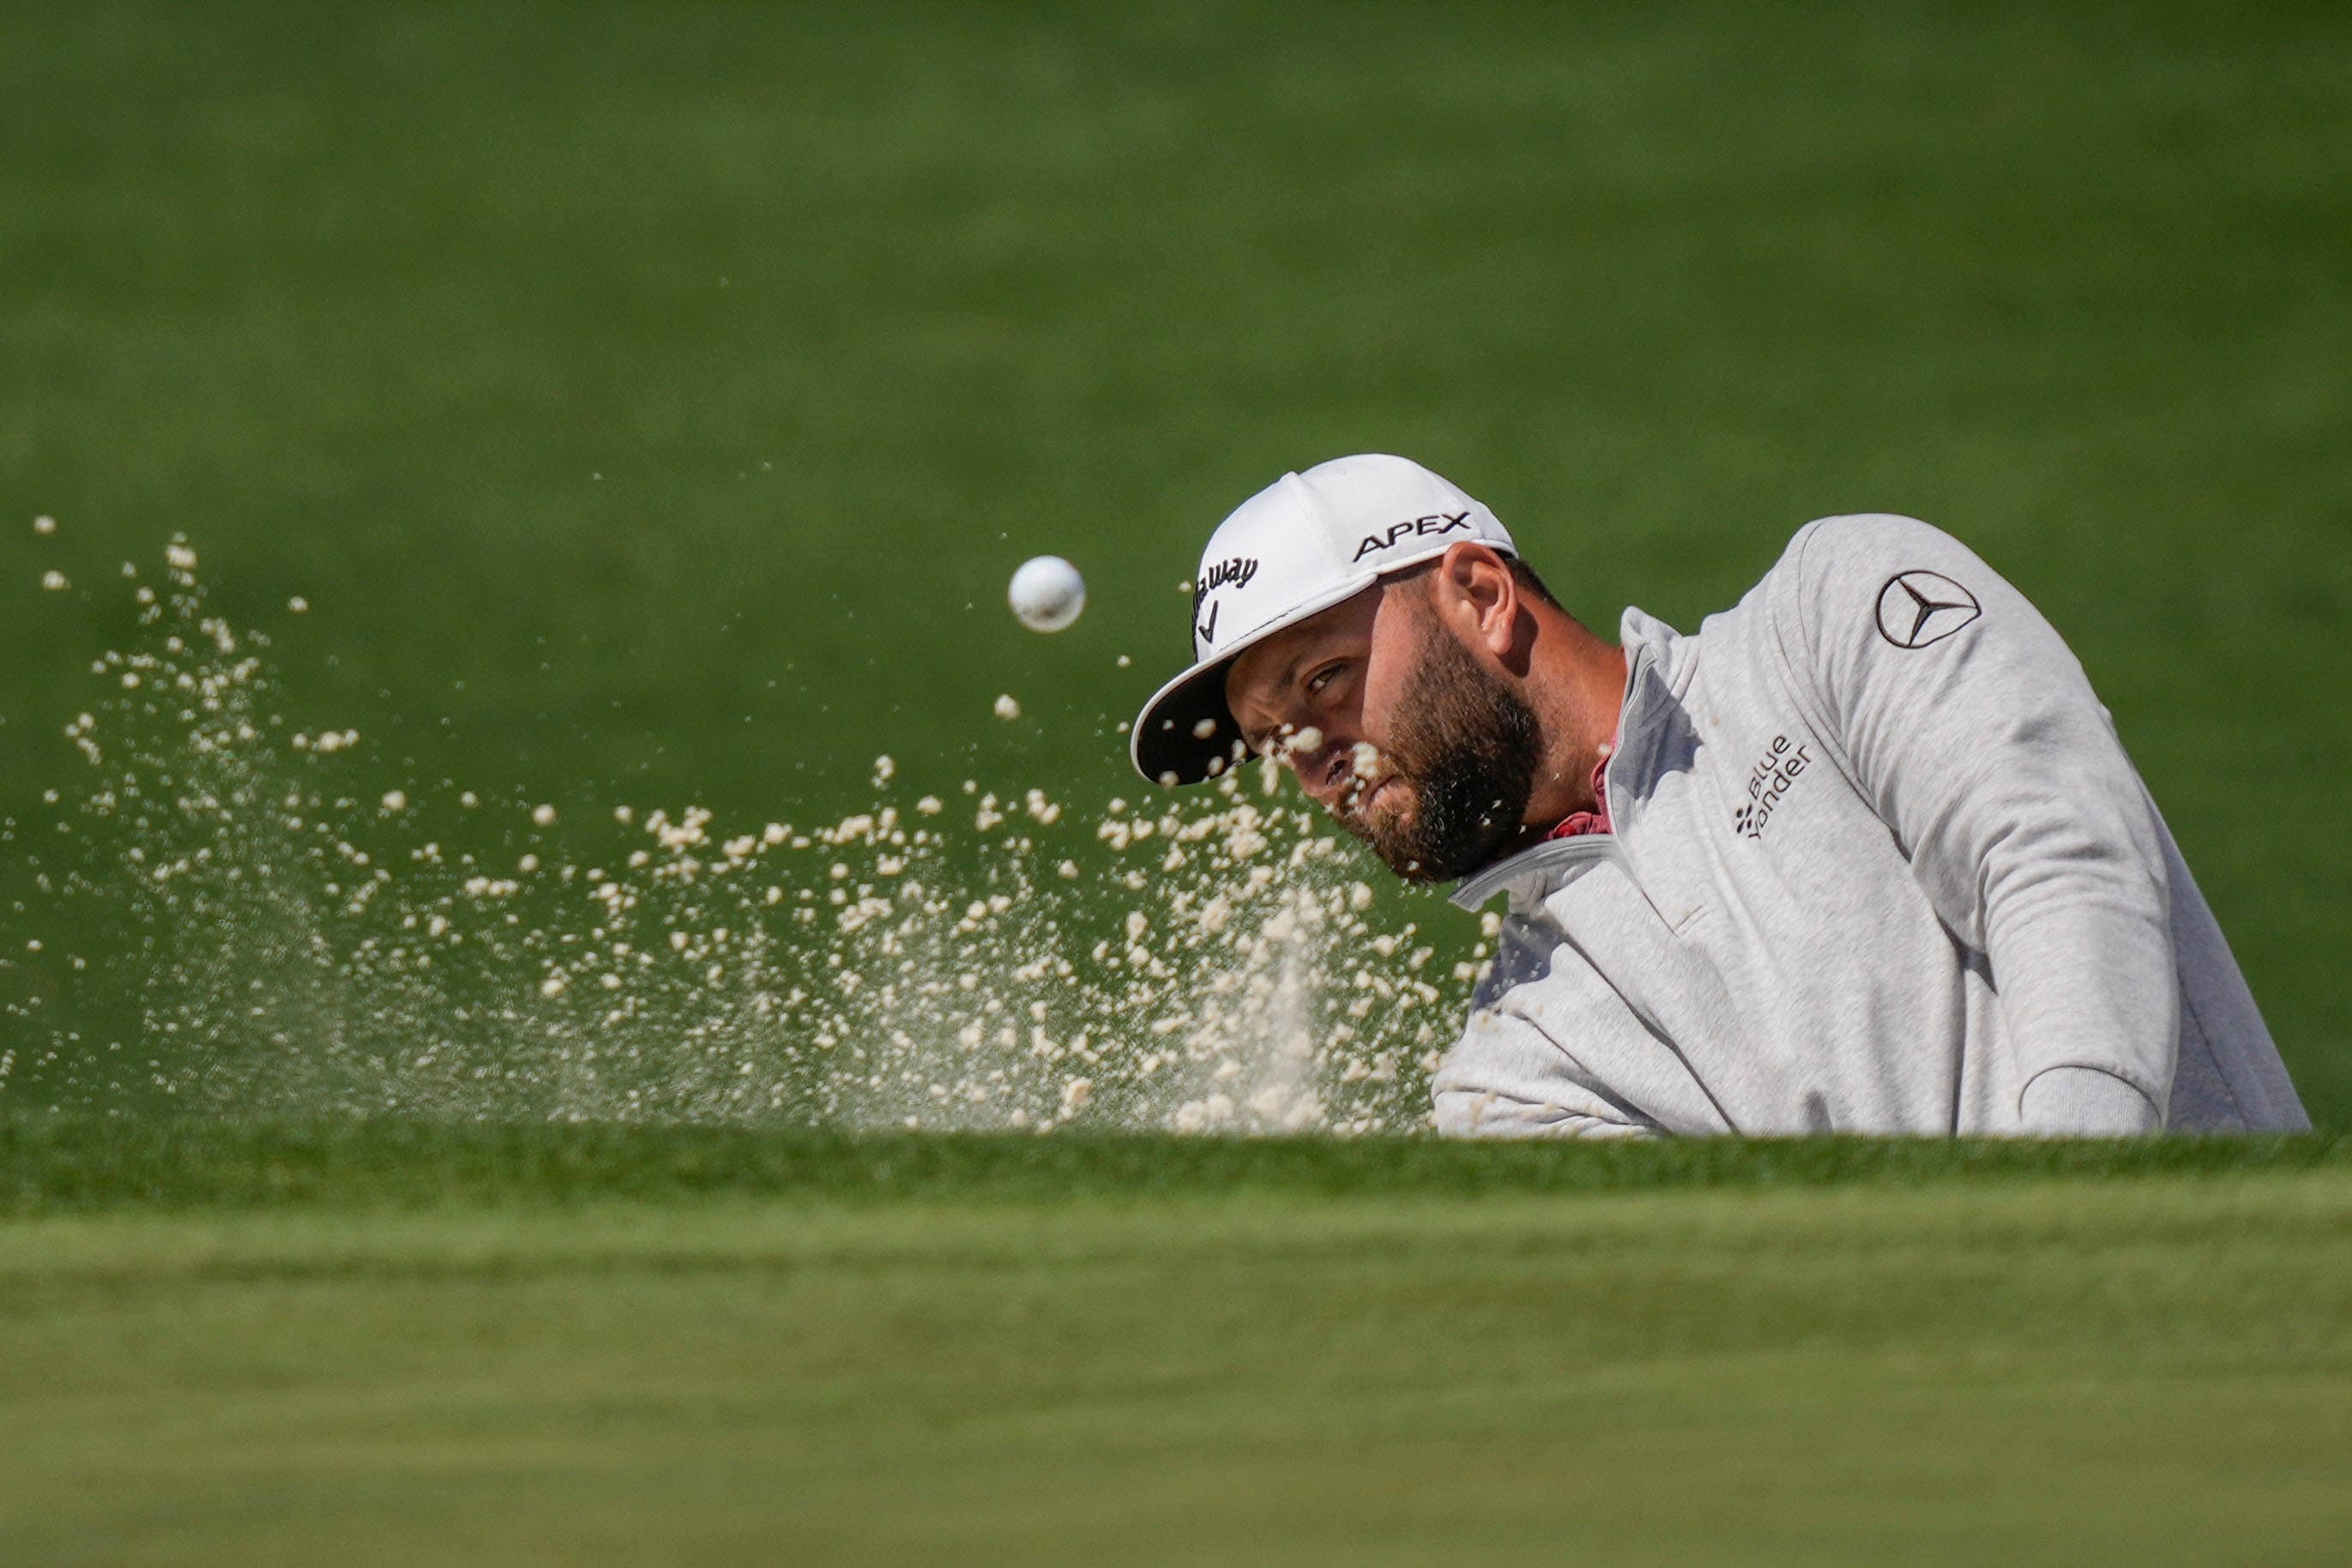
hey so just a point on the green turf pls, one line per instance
(650, 399)
(65, 1164)
(595, 1345)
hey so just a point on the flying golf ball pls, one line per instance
(1046, 594)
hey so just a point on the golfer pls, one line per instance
(1864, 855)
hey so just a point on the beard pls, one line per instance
(1467, 748)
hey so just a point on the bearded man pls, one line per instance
(1865, 855)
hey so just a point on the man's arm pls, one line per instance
(1507, 1080)
(2088, 1103)
(1962, 717)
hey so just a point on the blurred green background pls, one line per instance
(651, 400)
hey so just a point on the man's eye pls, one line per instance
(1321, 679)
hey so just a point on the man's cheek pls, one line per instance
(1380, 717)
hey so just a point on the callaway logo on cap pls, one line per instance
(1301, 545)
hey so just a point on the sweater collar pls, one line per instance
(1657, 666)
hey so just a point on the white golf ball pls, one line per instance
(1046, 594)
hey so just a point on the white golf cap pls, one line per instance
(1301, 545)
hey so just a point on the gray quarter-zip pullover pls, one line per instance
(1878, 864)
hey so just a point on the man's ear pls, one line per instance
(1478, 597)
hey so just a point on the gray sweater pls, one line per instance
(1879, 864)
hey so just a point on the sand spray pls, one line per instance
(262, 934)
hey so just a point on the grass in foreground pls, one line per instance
(51, 1165)
(406, 1344)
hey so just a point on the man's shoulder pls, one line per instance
(1828, 545)
(1838, 567)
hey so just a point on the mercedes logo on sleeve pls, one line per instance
(1916, 608)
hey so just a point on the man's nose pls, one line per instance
(1312, 764)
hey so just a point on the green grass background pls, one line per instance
(854, 308)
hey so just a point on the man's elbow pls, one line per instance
(2086, 1102)
(1477, 1113)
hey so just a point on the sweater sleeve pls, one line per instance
(1960, 715)
(1506, 1078)
(2088, 1102)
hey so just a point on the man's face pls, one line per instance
(1394, 728)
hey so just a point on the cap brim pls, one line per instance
(1186, 733)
